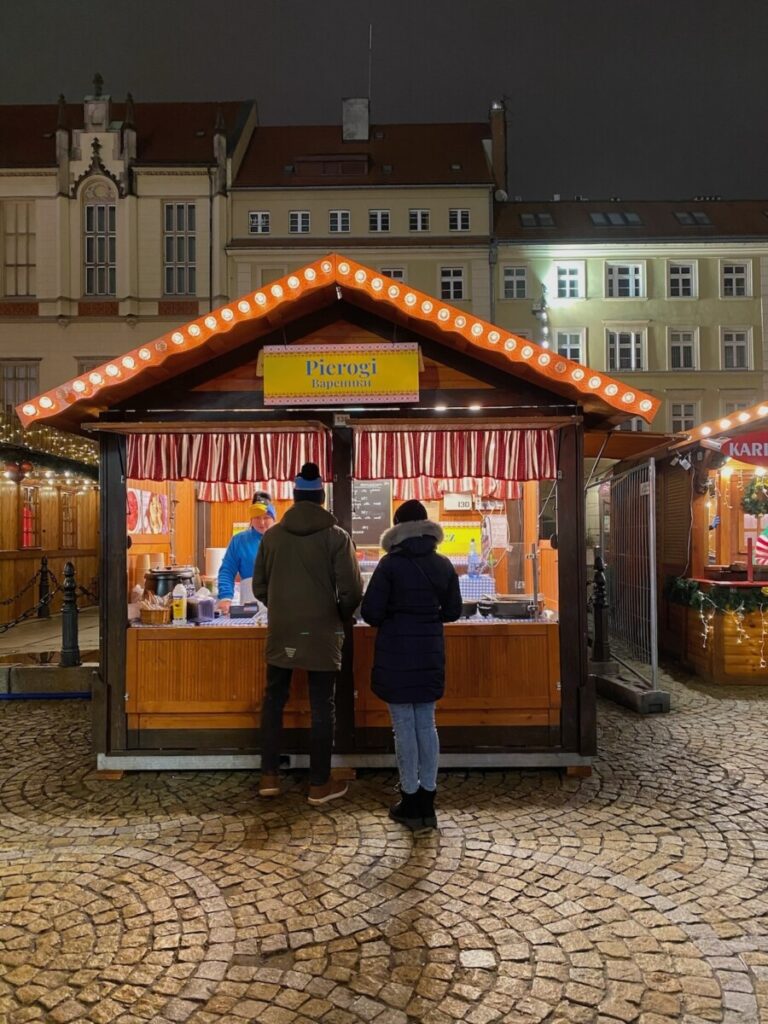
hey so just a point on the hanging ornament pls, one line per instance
(754, 500)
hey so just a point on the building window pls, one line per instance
(682, 350)
(338, 221)
(396, 273)
(258, 222)
(615, 219)
(735, 349)
(30, 517)
(515, 282)
(298, 222)
(87, 363)
(180, 249)
(736, 406)
(378, 220)
(458, 220)
(624, 280)
(735, 278)
(625, 350)
(18, 239)
(100, 249)
(634, 425)
(67, 518)
(570, 280)
(537, 220)
(697, 218)
(570, 345)
(451, 282)
(418, 220)
(681, 280)
(20, 382)
(682, 417)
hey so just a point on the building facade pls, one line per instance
(117, 220)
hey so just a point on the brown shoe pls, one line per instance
(269, 784)
(332, 790)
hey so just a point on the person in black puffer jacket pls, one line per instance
(411, 594)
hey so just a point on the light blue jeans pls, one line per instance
(417, 746)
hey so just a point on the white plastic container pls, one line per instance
(179, 605)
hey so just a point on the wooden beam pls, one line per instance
(341, 459)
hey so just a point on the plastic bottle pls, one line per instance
(473, 560)
(179, 606)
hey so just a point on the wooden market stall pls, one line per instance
(394, 394)
(713, 548)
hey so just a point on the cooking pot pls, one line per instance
(162, 581)
(468, 609)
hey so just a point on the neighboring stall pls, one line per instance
(394, 394)
(713, 548)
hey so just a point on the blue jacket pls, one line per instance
(411, 594)
(238, 561)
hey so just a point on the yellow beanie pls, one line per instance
(258, 508)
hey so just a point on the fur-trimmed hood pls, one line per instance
(404, 531)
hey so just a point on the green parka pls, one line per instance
(306, 573)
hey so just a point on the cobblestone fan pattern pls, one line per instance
(639, 894)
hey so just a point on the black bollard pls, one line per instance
(44, 605)
(70, 651)
(601, 648)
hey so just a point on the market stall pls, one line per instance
(395, 395)
(713, 539)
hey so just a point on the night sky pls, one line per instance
(655, 99)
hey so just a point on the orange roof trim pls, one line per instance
(742, 419)
(88, 393)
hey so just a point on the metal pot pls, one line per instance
(468, 608)
(162, 581)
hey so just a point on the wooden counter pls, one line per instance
(201, 688)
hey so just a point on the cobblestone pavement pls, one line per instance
(640, 894)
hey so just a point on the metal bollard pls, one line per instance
(601, 648)
(70, 651)
(44, 610)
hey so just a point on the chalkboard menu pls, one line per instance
(371, 511)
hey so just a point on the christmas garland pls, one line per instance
(680, 590)
(754, 501)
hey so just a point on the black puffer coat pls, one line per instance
(411, 594)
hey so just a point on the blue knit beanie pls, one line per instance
(309, 478)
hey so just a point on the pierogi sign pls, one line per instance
(752, 448)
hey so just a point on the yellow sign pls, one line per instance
(458, 537)
(329, 374)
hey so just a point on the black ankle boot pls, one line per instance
(427, 807)
(407, 810)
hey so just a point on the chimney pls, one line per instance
(355, 120)
(62, 148)
(498, 120)
(220, 151)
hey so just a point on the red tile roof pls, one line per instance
(572, 221)
(314, 286)
(416, 154)
(167, 133)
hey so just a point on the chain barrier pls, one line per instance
(85, 592)
(5, 626)
(44, 601)
(27, 586)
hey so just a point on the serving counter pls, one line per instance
(201, 687)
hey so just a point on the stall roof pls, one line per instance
(739, 422)
(314, 286)
(623, 444)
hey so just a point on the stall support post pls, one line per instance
(342, 509)
(109, 722)
(70, 649)
(601, 647)
(43, 602)
(578, 721)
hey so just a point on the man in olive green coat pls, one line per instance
(306, 573)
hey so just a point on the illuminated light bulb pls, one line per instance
(475, 407)
(526, 352)
(594, 382)
(440, 408)
(129, 362)
(293, 281)
(244, 306)
(377, 284)
(177, 338)
(46, 403)
(477, 330)
(94, 378)
(743, 417)
(494, 337)
(628, 397)
(759, 470)
(210, 322)
(443, 314)
(726, 472)
(410, 299)
(78, 386)
(706, 431)
(646, 405)
(227, 314)
(612, 389)
(277, 291)
(426, 306)
(577, 374)
(310, 274)
(343, 268)
(326, 267)
(112, 371)
(194, 330)
(360, 276)
(544, 359)
(145, 354)
(510, 344)
(461, 321)
(29, 410)
(724, 424)
(762, 410)
(545, 344)
(393, 291)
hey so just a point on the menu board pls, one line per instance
(371, 511)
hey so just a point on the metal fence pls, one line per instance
(628, 540)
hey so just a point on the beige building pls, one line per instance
(120, 220)
(670, 295)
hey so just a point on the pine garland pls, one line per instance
(680, 590)
(754, 500)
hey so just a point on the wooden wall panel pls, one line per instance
(548, 578)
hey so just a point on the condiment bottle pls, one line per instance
(179, 606)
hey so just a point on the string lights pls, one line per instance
(48, 441)
(737, 615)
(706, 617)
(763, 634)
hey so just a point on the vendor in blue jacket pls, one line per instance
(240, 555)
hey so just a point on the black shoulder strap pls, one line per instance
(429, 580)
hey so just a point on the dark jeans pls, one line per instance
(321, 693)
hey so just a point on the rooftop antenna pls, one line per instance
(370, 61)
